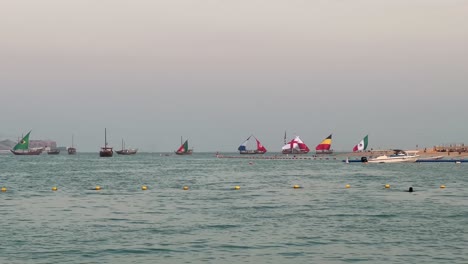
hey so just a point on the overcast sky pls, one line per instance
(216, 71)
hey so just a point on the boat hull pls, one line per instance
(189, 152)
(53, 152)
(294, 151)
(126, 151)
(71, 151)
(251, 152)
(106, 152)
(27, 153)
(324, 152)
(392, 160)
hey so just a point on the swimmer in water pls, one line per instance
(410, 189)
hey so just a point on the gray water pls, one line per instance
(266, 221)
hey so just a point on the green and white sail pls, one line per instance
(23, 144)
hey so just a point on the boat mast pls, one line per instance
(105, 137)
(72, 140)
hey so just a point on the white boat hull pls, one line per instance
(386, 159)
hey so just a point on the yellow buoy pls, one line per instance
(186, 188)
(4, 189)
(442, 186)
(97, 188)
(348, 186)
(387, 186)
(54, 188)
(296, 186)
(144, 187)
(237, 187)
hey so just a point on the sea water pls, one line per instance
(265, 221)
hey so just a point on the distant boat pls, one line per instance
(183, 149)
(106, 151)
(125, 151)
(71, 150)
(260, 148)
(324, 146)
(396, 157)
(53, 151)
(362, 145)
(295, 146)
(22, 148)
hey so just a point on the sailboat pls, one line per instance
(183, 149)
(260, 148)
(106, 151)
(71, 150)
(22, 148)
(295, 146)
(125, 151)
(362, 145)
(324, 146)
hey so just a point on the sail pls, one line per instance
(243, 146)
(23, 144)
(183, 148)
(362, 145)
(296, 145)
(325, 144)
(260, 147)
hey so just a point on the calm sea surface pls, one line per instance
(266, 221)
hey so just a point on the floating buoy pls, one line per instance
(237, 187)
(144, 187)
(296, 186)
(97, 188)
(54, 189)
(348, 186)
(442, 186)
(186, 188)
(250, 163)
(387, 186)
(4, 189)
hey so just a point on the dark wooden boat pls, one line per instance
(243, 147)
(183, 149)
(71, 150)
(22, 148)
(27, 152)
(125, 151)
(106, 151)
(53, 152)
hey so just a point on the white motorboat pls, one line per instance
(398, 156)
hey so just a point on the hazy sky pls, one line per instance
(216, 71)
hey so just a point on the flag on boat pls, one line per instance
(362, 145)
(325, 144)
(295, 146)
(23, 144)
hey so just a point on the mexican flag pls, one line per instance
(362, 145)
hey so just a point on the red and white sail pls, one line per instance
(295, 146)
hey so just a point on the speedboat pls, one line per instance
(397, 156)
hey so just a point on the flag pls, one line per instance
(362, 145)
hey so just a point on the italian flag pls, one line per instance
(362, 145)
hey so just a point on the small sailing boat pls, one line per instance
(324, 146)
(362, 145)
(260, 148)
(53, 151)
(125, 151)
(183, 149)
(295, 146)
(71, 150)
(22, 148)
(106, 151)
